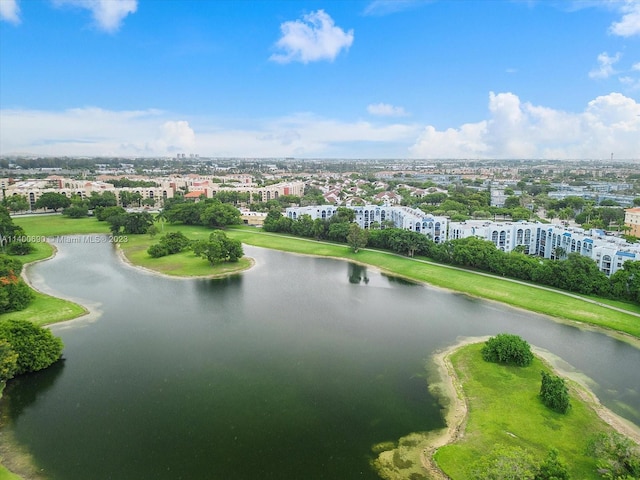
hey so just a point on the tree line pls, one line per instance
(572, 272)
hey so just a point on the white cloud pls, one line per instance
(177, 136)
(10, 11)
(605, 68)
(629, 24)
(610, 123)
(98, 132)
(315, 37)
(108, 14)
(511, 129)
(636, 67)
(386, 110)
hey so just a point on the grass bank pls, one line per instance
(529, 297)
(504, 409)
(45, 309)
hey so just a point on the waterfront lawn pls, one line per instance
(529, 297)
(53, 225)
(505, 410)
(45, 309)
(183, 264)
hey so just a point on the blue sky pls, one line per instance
(321, 79)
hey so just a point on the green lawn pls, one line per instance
(52, 225)
(183, 264)
(505, 409)
(7, 475)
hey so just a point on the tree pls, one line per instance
(37, 347)
(76, 211)
(132, 223)
(357, 237)
(103, 213)
(508, 349)
(14, 293)
(12, 237)
(16, 203)
(52, 201)
(218, 214)
(218, 248)
(106, 199)
(554, 393)
(552, 468)
(127, 198)
(625, 283)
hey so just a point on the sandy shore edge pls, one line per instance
(450, 389)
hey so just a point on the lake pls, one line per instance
(293, 369)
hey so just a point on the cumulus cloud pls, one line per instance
(629, 24)
(605, 66)
(108, 14)
(513, 128)
(386, 110)
(610, 123)
(10, 11)
(177, 136)
(315, 37)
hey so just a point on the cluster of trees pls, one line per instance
(26, 347)
(15, 294)
(618, 457)
(508, 349)
(218, 248)
(517, 463)
(208, 212)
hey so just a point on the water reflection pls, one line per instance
(357, 273)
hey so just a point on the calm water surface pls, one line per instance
(293, 369)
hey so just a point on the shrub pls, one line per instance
(617, 456)
(554, 393)
(508, 349)
(37, 347)
(8, 361)
(158, 250)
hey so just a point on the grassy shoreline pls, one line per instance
(612, 316)
(503, 408)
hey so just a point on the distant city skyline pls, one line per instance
(423, 79)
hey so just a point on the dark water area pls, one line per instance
(293, 369)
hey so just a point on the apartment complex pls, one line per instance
(163, 188)
(533, 238)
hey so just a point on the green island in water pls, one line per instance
(486, 405)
